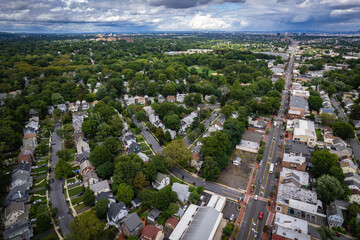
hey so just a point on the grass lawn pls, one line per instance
(174, 179)
(37, 170)
(147, 152)
(74, 191)
(70, 180)
(38, 180)
(79, 207)
(145, 148)
(77, 200)
(143, 144)
(42, 184)
(199, 69)
(139, 138)
(42, 161)
(41, 192)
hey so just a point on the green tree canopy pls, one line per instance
(87, 226)
(100, 155)
(89, 197)
(101, 208)
(62, 169)
(176, 153)
(328, 189)
(343, 129)
(105, 170)
(323, 160)
(315, 102)
(125, 193)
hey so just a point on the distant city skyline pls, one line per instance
(89, 16)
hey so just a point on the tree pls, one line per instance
(210, 169)
(172, 121)
(279, 84)
(355, 112)
(105, 170)
(89, 197)
(194, 197)
(43, 222)
(125, 193)
(112, 144)
(62, 169)
(227, 110)
(159, 162)
(326, 233)
(64, 154)
(303, 69)
(140, 115)
(140, 180)
(343, 129)
(176, 153)
(87, 226)
(327, 119)
(234, 129)
(101, 208)
(217, 145)
(167, 136)
(315, 102)
(56, 99)
(328, 188)
(323, 160)
(100, 155)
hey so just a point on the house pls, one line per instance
(161, 181)
(143, 156)
(329, 139)
(29, 144)
(348, 166)
(300, 93)
(334, 213)
(61, 107)
(298, 104)
(161, 98)
(132, 225)
(17, 194)
(304, 131)
(134, 148)
(21, 178)
(188, 120)
(257, 125)
(83, 156)
(100, 187)
(141, 100)
(149, 111)
(170, 99)
(154, 214)
(348, 103)
(19, 230)
(180, 97)
(33, 112)
(196, 160)
(198, 222)
(340, 148)
(90, 178)
(106, 195)
(294, 178)
(22, 167)
(51, 109)
(85, 105)
(182, 191)
(26, 156)
(136, 202)
(86, 167)
(116, 214)
(288, 227)
(32, 137)
(294, 161)
(171, 222)
(73, 107)
(82, 146)
(152, 233)
(16, 211)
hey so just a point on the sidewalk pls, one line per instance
(68, 199)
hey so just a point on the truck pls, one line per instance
(271, 168)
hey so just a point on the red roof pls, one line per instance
(150, 232)
(172, 221)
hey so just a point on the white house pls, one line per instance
(116, 214)
(161, 181)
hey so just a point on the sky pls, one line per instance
(89, 16)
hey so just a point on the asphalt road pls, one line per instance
(251, 222)
(56, 189)
(147, 135)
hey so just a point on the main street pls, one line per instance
(56, 188)
(251, 226)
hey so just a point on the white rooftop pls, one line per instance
(306, 207)
(285, 193)
(291, 223)
(301, 177)
(305, 128)
(292, 158)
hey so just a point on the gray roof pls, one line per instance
(21, 227)
(155, 213)
(83, 156)
(298, 102)
(203, 224)
(252, 136)
(300, 148)
(133, 223)
(182, 191)
(18, 194)
(333, 209)
(22, 166)
(136, 200)
(115, 208)
(105, 195)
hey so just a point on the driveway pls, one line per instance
(56, 189)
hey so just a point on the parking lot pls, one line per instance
(229, 209)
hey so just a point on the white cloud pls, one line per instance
(206, 22)
(340, 12)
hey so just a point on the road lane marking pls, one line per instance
(232, 194)
(252, 220)
(256, 227)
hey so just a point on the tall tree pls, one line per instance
(328, 189)
(176, 153)
(100, 155)
(125, 193)
(89, 197)
(62, 169)
(140, 180)
(323, 160)
(343, 129)
(101, 208)
(87, 226)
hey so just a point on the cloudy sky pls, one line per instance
(80, 16)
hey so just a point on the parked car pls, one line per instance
(256, 197)
(261, 215)
(260, 180)
(231, 217)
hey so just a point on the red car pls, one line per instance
(261, 215)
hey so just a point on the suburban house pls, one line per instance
(116, 214)
(26, 156)
(170, 99)
(106, 195)
(136, 202)
(90, 178)
(293, 161)
(132, 225)
(154, 214)
(340, 148)
(180, 97)
(19, 230)
(348, 166)
(22, 167)
(161, 98)
(329, 139)
(298, 107)
(61, 107)
(288, 227)
(152, 233)
(32, 138)
(257, 125)
(304, 131)
(85, 105)
(130, 143)
(20, 178)
(188, 120)
(82, 146)
(300, 93)
(100, 187)
(15, 212)
(182, 191)
(171, 222)
(82, 156)
(334, 213)
(17, 194)
(161, 181)
(86, 167)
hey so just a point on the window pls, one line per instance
(278, 208)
